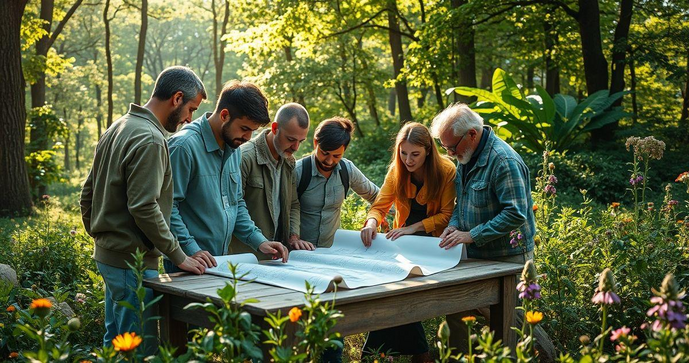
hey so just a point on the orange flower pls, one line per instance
(682, 177)
(535, 207)
(294, 314)
(469, 319)
(382, 355)
(11, 309)
(126, 342)
(41, 303)
(534, 317)
(627, 220)
(615, 204)
(14, 355)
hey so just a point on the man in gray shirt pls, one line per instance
(323, 180)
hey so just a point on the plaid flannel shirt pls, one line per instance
(495, 201)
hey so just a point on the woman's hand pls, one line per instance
(396, 233)
(368, 233)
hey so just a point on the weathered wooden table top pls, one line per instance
(273, 298)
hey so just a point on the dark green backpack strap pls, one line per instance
(344, 176)
(305, 177)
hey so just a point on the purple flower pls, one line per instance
(550, 189)
(668, 308)
(529, 291)
(636, 180)
(621, 332)
(552, 179)
(605, 297)
(514, 243)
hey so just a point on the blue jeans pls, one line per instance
(119, 286)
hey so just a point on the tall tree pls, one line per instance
(38, 87)
(141, 50)
(219, 42)
(466, 50)
(395, 38)
(108, 60)
(15, 197)
(552, 69)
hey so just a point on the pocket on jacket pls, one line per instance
(479, 194)
(255, 182)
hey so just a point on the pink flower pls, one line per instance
(621, 332)
(605, 297)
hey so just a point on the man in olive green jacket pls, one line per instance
(268, 180)
(126, 200)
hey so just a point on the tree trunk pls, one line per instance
(219, 44)
(529, 77)
(392, 101)
(67, 165)
(108, 61)
(421, 101)
(552, 70)
(371, 103)
(15, 197)
(395, 38)
(77, 141)
(487, 76)
(466, 51)
(438, 95)
(685, 103)
(140, 52)
(99, 115)
(37, 135)
(619, 59)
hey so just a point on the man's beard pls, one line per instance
(227, 136)
(324, 167)
(466, 157)
(174, 119)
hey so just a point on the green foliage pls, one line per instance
(531, 121)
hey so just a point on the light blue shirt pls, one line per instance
(208, 207)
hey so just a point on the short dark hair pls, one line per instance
(289, 111)
(178, 79)
(244, 99)
(333, 133)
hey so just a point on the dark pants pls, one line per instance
(408, 339)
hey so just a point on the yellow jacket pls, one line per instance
(439, 211)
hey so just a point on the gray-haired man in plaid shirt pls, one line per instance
(494, 206)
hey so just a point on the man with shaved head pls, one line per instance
(268, 178)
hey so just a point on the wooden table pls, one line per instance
(471, 284)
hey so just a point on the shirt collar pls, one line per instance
(145, 113)
(485, 153)
(263, 155)
(207, 133)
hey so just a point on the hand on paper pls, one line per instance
(399, 232)
(276, 249)
(454, 238)
(299, 244)
(192, 265)
(205, 258)
(368, 233)
(448, 230)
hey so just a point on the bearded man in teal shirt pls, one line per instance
(208, 206)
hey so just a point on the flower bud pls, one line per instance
(444, 331)
(607, 281)
(74, 324)
(584, 340)
(529, 273)
(669, 287)
(551, 166)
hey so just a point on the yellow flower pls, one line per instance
(2, 325)
(41, 307)
(534, 317)
(126, 342)
(469, 319)
(294, 314)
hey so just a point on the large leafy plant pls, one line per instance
(532, 120)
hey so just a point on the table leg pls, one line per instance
(502, 315)
(172, 331)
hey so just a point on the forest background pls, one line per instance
(70, 68)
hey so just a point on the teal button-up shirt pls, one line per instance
(208, 206)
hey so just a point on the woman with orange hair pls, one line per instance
(420, 182)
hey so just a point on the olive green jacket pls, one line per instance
(257, 183)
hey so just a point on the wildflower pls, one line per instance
(650, 206)
(516, 239)
(615, 205)
(551, 166)
(80, 298)
(535, 207)
(672, 203)
(668, 308)
(2, 325)
(528, 287)
(14, 355)
(126, 342)
(294, 314)
(45, 197)
(584, 340)
(469, 319)
(681, 178)
(534, 317)
(444, 330)
(552, 179)
(646, 148)
(605, 293)
(635, 180)
(11, 309)
(41, 307)
(619, 333)
(550, 189)
(73, 233)
(627, 220)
